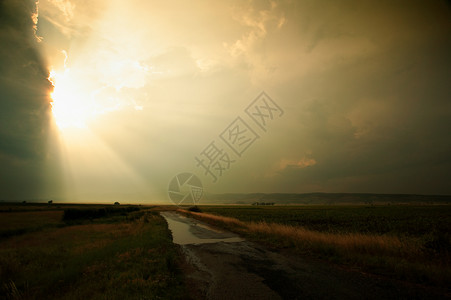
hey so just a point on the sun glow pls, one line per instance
(71, 106)
(84, 91)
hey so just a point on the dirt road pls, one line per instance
(221, 265)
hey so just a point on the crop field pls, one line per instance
(87, 253)
(408, 220)
(408, 242)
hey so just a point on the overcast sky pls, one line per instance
(357, 97)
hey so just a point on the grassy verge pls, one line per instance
(406, 257)
(125, 257)
(15, 223)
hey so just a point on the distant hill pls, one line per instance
(324, 198)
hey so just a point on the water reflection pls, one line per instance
(190, 231)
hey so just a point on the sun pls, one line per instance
(71, 104)
(81, 92)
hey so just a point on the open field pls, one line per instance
(14, 223)
(411, 220)
(408, 242)
(113, 252)
(121, 255)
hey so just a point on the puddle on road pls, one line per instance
(190, 231)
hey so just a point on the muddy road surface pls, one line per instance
(221, 265)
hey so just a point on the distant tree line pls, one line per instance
(263, 203)
(93, 213)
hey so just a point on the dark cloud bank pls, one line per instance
(375, 115)
(24, 103)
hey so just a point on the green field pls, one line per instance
(96, 252)
(411, 220)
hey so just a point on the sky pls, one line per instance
(105, 101)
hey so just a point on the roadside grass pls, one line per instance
(127, 257)
(19, 219)
(14, 223)
(402, 256)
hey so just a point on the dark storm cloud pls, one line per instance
(380, 118)
(366, 91)
(24, 101)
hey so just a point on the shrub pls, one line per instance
(87, 214)
(195, 208)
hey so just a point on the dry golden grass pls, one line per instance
(299, 236)
(125, 259)
(226, 220)
(400, 256)
(352, 242)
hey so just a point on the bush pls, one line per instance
(85, 214)
(81, 214)
(195, 208)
